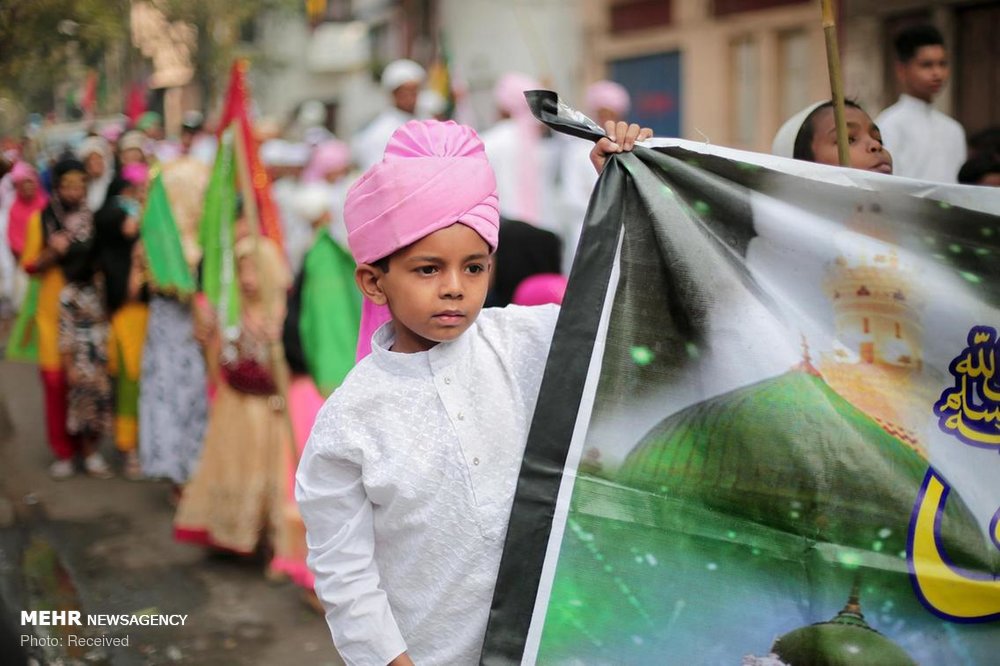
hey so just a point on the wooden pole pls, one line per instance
(836, 81)
(276, 351)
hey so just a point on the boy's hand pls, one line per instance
(59, 242)
(402, 660)
(621, 137)
(130, 227)
(205, 324)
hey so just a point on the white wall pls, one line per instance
(486, 38)
(286, 39)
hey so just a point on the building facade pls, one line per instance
(335, 52)
(731, 71)
(970, 29)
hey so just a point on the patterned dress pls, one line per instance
(238, 495)
(173, 403)
(83, 335)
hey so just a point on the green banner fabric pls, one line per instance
(331, 313)
(769, 426)
(215, 234)
(22, 345)
(168, 270)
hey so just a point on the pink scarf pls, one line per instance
(22, 209)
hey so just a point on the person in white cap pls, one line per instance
(403, 79)
(524, 160)
(603, 101)
(95, 153)
(284, 161)
(811, 135)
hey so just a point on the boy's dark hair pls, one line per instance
(911, 40)
(382, 264)
(986, 142)
(802, 149)
(978, 168)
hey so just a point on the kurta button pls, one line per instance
(447, 380)
(475, 461)
(461, 416)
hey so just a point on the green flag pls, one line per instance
(331, 313)
(23, 342)
(168, 269)
(215, 234)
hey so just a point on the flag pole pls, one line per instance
(836, 81)
(276, 351)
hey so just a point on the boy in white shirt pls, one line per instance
(407, 480)
(925, 143)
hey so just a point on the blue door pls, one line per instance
(654, 81)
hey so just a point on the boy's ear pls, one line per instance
(367, 277)
(900, 71)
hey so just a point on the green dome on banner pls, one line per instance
(846, 640)
(791, 454)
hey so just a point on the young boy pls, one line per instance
(811, 135)
(927, 144)
(407, 480)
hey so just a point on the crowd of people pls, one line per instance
(223, 409)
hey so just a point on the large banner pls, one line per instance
(769, 428)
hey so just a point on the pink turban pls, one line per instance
(508, 93)
(433, 174)
(540, 289)
(333, 155)
(608, 95)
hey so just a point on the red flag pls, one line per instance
(88, 99)
(236, 110)
(135, 103)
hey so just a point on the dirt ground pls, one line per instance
(106, 546)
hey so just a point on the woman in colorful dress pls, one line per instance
(173, 377)
(237, 499)
(121, 263)
(58, 249)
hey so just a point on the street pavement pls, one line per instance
(106, 546)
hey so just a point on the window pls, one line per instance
(726, 7)
(795, 61)
(627, 15)
(745, 59)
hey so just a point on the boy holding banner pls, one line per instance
(407, 480)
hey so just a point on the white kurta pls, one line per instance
(406, 485)
(924, 143)
(578, 180)
(369, 143)
(512, 158)
(297, 232)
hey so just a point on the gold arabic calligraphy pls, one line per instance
(971, 409)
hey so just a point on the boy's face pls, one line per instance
(246, 272)
(405, 96)
(26, 188)
(991, 179)
(72, 188)
(925, 73)
(95, 165)
(132, 156)
(434, 288)
(863, 137)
